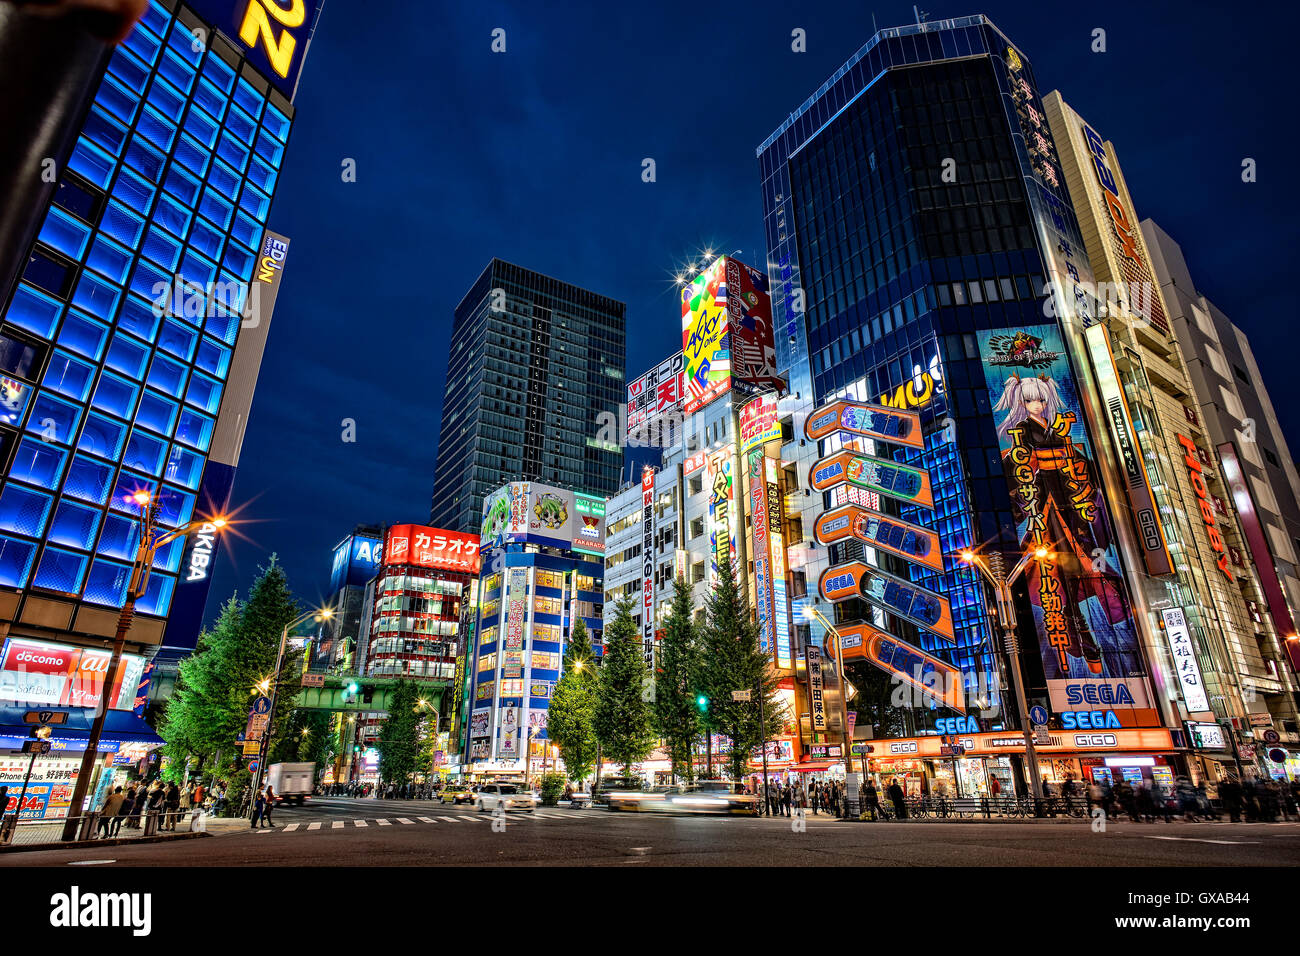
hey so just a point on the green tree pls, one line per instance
(622, 708)
(570, 718)
(399, 735)
(217, 684)
(731, 660)
(675, 711)
(307, 738)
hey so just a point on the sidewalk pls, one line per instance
(115, 841)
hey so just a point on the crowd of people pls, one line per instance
(1254, 800)
(390, 791)
(817, 796)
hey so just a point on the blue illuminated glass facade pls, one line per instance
(896, 207)
(117, 340)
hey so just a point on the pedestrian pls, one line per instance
(895, 794)
(270, 805)
(259, 805)
(995, 787)
(871, 801)
(123, 812)
(108, 813)
(129, 806)
(157, 795)
(172, 802)
(787, 799)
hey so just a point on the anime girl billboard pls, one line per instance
(1081, 603)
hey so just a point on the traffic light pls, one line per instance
(702, 703)
(356, 748)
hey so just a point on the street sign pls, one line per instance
(1038, 714)
(1272, 737)
(1040, 731)
(313, 680)
(1277, 755)
(45, 717)
(740, 695)
(36, 746)
(252, 766)
(859, 750)
(252, 748)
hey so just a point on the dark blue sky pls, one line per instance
(535, 156)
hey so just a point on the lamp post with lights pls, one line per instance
(272, 684)
(811, 612)
(150, 542)
(994, 571)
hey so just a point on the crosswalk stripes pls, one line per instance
(404, 820)
(291, 827)
(551, 814)
(336, 825)
(470, 819)
(360, 823)
(426, 819)
(448, 819)
(314, 826)
(383, 823)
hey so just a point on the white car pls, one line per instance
(507, 796)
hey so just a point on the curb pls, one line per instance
(81, 844)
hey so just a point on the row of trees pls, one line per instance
(618, 711)
(209, 707)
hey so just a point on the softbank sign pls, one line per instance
(201, 548)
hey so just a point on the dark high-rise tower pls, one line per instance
(534, 364)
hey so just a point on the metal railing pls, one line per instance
(94, 826)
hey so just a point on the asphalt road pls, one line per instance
(344, 832)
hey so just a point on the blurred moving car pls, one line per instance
(707, 796)
(458, 794)
(612, 785)
(506, 796)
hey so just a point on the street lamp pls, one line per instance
(994, 571)
(150, 542)
(319, 614)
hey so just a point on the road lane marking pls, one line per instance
(404, 820)
(449, 819)
(336, 825)
(360, 823)
(89, 862)
(470, 819)
(1197, 840)
(314, 826)
(383, 823)
(426, 820)
(291, 827)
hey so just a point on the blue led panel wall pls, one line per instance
(116, 342)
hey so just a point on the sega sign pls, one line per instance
(1092, 693)
(1089, 720)
(957, 725)
(828, 474)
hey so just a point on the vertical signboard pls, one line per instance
(721, 520)
(1146, 516)
(655, 394)
(648, 566)
(776, 542)
(1081, 604)
(1189, 671)
(706, 348)
(761, 551)
(816, 696)
(749, 323)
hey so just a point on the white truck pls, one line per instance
(292, 782)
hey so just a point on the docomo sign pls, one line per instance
(432, 548)
(36, 672)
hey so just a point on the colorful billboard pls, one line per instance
(431, 548)
(758, 423)
(656, 393)
(1184, 653)
(726, 331)
(1081, 604)
(39, 672)
(868, 421)
(776, 541)
(909, 485)
(528, 511)
(911, 602)
(648, 567)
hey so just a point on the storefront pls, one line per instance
(923, 767)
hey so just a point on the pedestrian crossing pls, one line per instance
(358, 824)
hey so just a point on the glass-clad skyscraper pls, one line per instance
(118, 337)
(535, 383)
(924, 254)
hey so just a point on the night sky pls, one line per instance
(535, 156)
